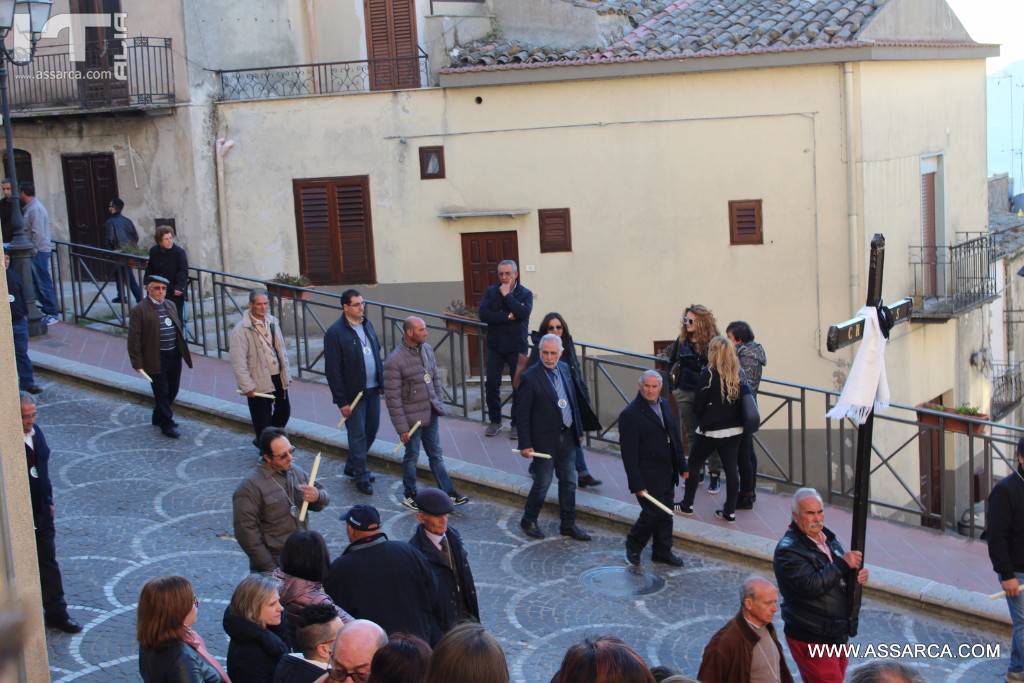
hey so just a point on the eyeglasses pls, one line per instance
(195, 601)
(341, 675)
(554, 327)
(359, 304)
(689, 321)
(282, 456)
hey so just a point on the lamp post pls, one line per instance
(21, 247)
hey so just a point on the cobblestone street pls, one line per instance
(132, 505)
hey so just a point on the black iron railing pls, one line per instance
(954, 279)
(795, 446)
(324, 78)
(129, 72)
(1007, 388)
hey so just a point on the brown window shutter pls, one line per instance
(745, 225)
(356, 237)
(391, 44)
(335, 234)
(555, 230)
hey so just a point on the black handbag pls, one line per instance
(748, 411)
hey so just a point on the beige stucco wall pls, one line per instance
(647, 167)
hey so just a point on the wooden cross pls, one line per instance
(839, 336)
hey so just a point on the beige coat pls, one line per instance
(248, 356)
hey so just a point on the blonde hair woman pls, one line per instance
(719, 424)
(258, 635)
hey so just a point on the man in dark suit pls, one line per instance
(505, 307)
(37, 456)
(442, 546)
(652, 454)
(549, 422)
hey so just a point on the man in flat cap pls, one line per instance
(387, 582)
(443, 548)
(156, 345)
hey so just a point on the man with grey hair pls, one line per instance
(37, 460)
(412, 396)
(353, 651)
(549, 424)
(259, 359)
(746, 648)
(505, 307)
(879, 671)
(813, 572)
(652, 454)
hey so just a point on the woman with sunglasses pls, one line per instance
(554, 323)
(169, 650)
(687, 356)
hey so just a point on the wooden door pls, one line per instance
(930, 463)
(391, 44)
(90, 182)
(929, 248)
(102, 47)
(334, 229)
(481, 253)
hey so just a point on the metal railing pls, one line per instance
(324, 78)
(915, 453)
(954, 279)
(1007, 388)
(136, 71)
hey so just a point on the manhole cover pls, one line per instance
(621, 582)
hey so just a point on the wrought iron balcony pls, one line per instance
(126, 73)
(1007, 388)
(952, 280)
(326, 78)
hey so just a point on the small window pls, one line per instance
(555, 232)
(431, 163)
(745, 222)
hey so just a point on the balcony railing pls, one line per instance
(951, 280)
(1007, 388)
(326, 78)
(131, 72)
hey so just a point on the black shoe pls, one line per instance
(350, 475)
(531, 529)
(171, 432)
(67, 625)
(721, 514)
(457, 498)
(116, 300)
(684, 508)
(745, 503)
(714, 485)
(671, 559)
(586, 480)
(632, 556)
(364, 487)
(575, 532)
(34, 389)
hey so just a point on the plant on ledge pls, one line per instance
(459, 309)
(966, 409)
(290, 280)
(134, 250)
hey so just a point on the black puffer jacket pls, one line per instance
(254, 652)
(813, 588)
(175, 662)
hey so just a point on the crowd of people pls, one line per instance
(390, 610)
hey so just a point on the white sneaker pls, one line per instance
(410, 503)
(51, 320)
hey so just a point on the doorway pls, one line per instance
(90, 182)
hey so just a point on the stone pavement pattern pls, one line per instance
(132, 505)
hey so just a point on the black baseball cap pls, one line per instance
(362, 517)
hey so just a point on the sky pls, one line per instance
(994, 21)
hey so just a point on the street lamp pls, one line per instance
(21, 246)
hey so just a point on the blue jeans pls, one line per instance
(430, 436)
(45, 297)
(362, 427)
(25, 377)
(562, 463)
(1016, 606)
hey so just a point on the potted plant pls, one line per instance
(455, 315)
(950, 421)
(287, 286)
(136, 256)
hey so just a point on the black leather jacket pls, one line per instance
(175, 662)
(814, 603)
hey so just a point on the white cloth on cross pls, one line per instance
(866, 386)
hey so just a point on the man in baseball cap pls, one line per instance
(443, 548)
(387, 582)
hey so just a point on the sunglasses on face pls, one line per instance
(554, 327)
(689, 321)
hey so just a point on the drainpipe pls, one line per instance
(856, 298)
(222, 147)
